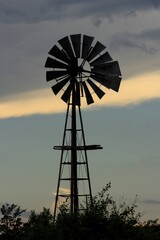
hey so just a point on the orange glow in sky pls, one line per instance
(132, 91)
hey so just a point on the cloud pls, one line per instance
(132, 91)
(152, 201)
(145, 40)
(156, 3)
(27, 34)
(135, 90)
(63, 191)
(152, 34)
(42, 10)
(124, 41)
(61, 200)
(36, 102)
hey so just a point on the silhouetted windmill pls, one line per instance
(78, 70)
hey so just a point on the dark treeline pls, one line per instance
(103, 220)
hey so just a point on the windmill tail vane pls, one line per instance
(78, 67)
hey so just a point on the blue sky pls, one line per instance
(126, 124)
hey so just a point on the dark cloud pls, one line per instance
(42, 10)
(152, 201)
(139, 41)
(117, 43)
(23, 53)
(156, 3)
(151, 34)
(27, 34)
(131, 13)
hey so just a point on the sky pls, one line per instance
(126, 123)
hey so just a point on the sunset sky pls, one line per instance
(126, 123)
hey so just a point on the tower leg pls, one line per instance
(86, 157)
(74, 175)
(61, 163)
(74, 187)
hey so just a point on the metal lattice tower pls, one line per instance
(78, 70)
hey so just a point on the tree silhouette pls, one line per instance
(11, 225)
(104, 219)
(39, 226)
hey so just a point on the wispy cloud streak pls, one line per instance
(152, 201)
(133, 91)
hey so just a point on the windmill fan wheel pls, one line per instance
(78, 67)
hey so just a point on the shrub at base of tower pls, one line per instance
(103, 219)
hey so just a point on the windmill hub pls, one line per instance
(74, 70)
(85, 68)
(79, 69)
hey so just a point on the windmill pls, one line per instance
(78, 67)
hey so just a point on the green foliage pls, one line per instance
(39, 226)
(11, 225)
(149, 230)
(104, 219)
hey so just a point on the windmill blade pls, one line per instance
(86, 46)
(102, 59)
(52, 63)
(71, 76)
(77, 95)
(98, 48)
(51, 75)
(107, 68)
(76, 42)
(81, 89)
(57, 53)
(96, 89)
(87, 94)
(66, 45)
(101, 80)
(57, 87)
(115, 82)
(66, 95)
